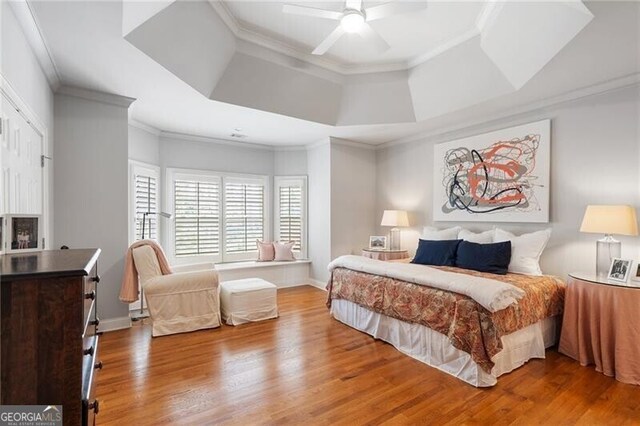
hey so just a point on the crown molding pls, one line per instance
(27, 19)
(352, 144)
(515, 113)
(93, 95)
(215, 141)
(145, 127)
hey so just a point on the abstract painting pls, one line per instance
(502, 176)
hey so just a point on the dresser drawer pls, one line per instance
(90, 365)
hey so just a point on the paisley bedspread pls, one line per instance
(470, 327)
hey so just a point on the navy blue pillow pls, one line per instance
(493, 258)
(437, 253)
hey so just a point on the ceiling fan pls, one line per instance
(355, 19)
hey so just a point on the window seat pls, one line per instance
(282, 274)
(250, 264)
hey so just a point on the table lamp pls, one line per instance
(609, 220)
(395, 219)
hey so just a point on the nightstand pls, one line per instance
(385, 254)
(601, 325)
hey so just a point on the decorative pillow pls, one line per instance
(266, 252)
(493, 258)
(435, 234)
(485, 237)
(436, 252)
(525, 250)
(284, 251)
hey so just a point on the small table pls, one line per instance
(385, 254)
(601, 325)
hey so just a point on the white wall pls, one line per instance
(292, 162)
(319, 184)
(353, 198)
(144, 145)
(90, 191)
(595, 144)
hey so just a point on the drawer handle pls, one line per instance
(88, 351)
(91, 295)
(95, 322)
(96, 279)
(98, 365)
(95, 406)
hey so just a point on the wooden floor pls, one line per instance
(307, 368)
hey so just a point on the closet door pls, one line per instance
(20, 150)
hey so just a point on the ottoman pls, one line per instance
(250, 299)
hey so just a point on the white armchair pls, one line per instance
(186, 300)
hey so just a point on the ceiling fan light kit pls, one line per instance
(354, 19)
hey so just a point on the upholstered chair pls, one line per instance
(186, 300)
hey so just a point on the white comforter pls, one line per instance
(493, 295)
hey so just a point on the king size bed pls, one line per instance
(473, 325)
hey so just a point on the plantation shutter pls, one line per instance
(146, 200)
(290, 203)
(244, 208)
(197, 217)
(290, 208)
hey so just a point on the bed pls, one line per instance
(475, 326)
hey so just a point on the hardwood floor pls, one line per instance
(307, 368)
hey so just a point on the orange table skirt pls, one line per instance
(601, 327)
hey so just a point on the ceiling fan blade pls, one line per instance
(393, 8)
(329, 41)
(311, 11)
(353, 4)
(372, 37)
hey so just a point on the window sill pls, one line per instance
(255, 264)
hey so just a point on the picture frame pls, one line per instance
(620, 269)
(377, 242)
(2, 235)
(636, 277)
(24, 233)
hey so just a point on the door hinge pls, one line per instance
(42, 158)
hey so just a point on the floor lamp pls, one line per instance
(142, 314)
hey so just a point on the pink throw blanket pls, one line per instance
(130, 285)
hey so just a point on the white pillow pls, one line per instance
(485, 237)
(431, 233)
(525, 250)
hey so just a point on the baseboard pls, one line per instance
(113, 324)
(318, 284)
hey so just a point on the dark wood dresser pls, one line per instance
(50, 331)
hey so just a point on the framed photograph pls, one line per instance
(2, 235)
(620, 269)
(24, 233)
(636, 275)
(377, 242)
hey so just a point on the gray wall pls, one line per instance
(144, 146)
(319, 183)
(353, 198)
(594, 160)
(90, 190)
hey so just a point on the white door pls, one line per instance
(21, 177)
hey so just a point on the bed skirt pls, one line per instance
(434, 349)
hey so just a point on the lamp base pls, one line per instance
(607, 248)
(394, 235)
(139, 316)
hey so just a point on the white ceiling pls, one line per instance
(86, 42)
(410, 35)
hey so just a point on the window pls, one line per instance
(218, 216)
(244, 216)
(197, 217)
(144, 192)
(291, 209)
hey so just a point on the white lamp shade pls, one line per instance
(394, 218)
(619, 220)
